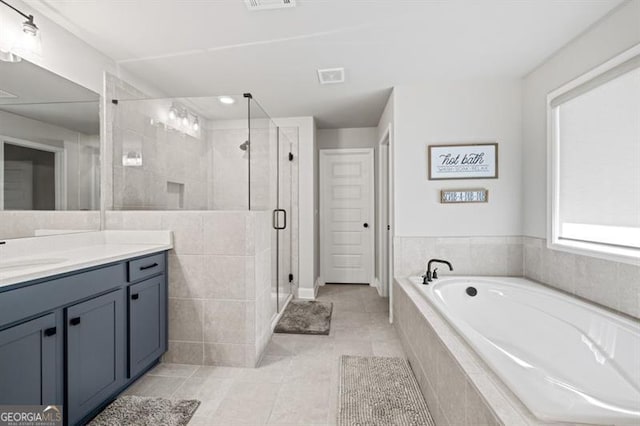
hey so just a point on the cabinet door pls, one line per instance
(95, 353)
(147, 323)
(28, 362)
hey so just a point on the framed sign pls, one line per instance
(468, 161)
(479, 195)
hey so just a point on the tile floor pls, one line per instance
(297, 381)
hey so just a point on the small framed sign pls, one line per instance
(479, 195)
(467, 161)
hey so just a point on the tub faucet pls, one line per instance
(432, 275)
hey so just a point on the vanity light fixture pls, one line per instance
(227, 100)
(173, 112)
(26, 43)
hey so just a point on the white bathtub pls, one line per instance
(566, 360)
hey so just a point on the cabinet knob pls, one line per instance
(74, 321)
(135, 296)
(50, 331)
(366, 225)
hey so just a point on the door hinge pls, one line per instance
(290, 278)
(290, 156)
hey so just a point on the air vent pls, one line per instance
(6, 95)
(331, 75)
(269, 4)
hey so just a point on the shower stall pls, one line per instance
(199, 166)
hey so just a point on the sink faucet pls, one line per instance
(432, 275)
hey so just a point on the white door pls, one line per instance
(347, 227)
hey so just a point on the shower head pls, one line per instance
(244, 146)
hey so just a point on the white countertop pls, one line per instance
(28, 259)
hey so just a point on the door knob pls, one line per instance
(366, 225)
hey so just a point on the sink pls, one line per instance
(30, 263)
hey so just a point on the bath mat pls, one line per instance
(380, 391)
(306, 317)
(140, 411)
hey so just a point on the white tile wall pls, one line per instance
(612, 284)
(219, 283)
(468, 255)
(21, 224)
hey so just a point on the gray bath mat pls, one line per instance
(306, 317)
(380, 391)
(140, 411)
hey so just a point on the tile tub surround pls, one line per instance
(611, 284)
(219, 283)
(493, 256)
(460, 389)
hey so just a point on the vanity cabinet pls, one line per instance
(28, 362)
(81, 338)
(95, 352)
(147, 323)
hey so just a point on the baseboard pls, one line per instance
(376, 285)
(307, 293)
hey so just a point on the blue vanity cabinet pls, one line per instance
(29, 362)
(147, 323)
(80, 338)
(95, 352)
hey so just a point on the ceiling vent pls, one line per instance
(331, 75)
(269, 4)
(6, 95)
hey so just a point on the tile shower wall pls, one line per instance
(469, 255)
(175, 172)
(612, 284)
(219, 283)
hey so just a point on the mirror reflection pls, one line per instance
(49, 141)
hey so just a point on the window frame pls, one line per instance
(554, 242)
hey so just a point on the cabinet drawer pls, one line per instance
(146, 267)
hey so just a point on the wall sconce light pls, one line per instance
(17, 44)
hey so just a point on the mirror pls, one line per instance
(49, 148)
(49, 141)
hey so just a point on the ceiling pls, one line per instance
(207, 47)
(45, 96)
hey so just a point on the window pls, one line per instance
(594, 161)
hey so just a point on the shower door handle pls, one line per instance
(276, 222)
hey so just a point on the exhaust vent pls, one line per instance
(331, 75)
(269, 4)
(6, 95)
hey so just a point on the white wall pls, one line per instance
(617, 32)
(362, 137)
(457, 112)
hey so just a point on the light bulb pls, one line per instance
(185, 120)
(173, 113)
(196, 124)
